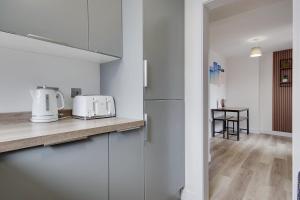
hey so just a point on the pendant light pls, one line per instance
(255, 52)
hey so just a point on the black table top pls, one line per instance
(230, 109)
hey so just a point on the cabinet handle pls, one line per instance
(52, 88)
(146, 132)
(128, 129)
(145, 73)
(181, 191)
(64, 141)
(45, 39)
(4, 31)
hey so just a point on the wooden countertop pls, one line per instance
(20, 135)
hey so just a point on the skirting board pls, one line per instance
(253, 131)
(278, 133)
(187, 195)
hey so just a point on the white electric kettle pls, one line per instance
(45, 104)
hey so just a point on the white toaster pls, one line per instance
(93, 107)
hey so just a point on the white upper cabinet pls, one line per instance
(59, 21)
(105, 26)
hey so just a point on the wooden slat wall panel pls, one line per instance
(282, 96)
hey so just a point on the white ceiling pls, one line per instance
(220, 9)
(270, 20)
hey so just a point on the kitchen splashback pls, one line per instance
(21, 71)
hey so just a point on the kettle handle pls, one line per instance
(62, 100)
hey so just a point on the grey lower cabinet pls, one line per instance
(60, 21)
(164, 150)
(73, 171)
(126, 165)
(105, 27)
(105, 167)
(164, 48)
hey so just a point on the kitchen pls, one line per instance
(61, 44)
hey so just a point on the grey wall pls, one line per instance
(124, 79)
(206, 155)
(21, 71)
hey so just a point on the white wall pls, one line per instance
(265, 92)
(243, 87)
(296, 95)
(21, 71)
(250, 84)
(217, 87)
(124, 79)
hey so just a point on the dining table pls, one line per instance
(227, 117)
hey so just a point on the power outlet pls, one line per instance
(75, 92)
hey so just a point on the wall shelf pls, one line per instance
(286, 84)
(286, 68)
(285, 72)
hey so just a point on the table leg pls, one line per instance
(248, 122)
(228, 130)
(224, 125)
(213, 123)
(233, 125)
(224, 128)
(238, 126)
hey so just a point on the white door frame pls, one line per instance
(196, 100)
(196, 104)
(296, 94)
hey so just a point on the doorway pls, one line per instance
(196, 84)
(250, 147)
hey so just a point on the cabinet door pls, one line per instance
(164, 151)
(73, 171)
(60, 21)
(164, 48)
(126, 165)
(105, 26)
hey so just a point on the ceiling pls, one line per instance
(232, 30)
(220, 9)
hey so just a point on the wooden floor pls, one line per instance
(258, 167)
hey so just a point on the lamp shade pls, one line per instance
(255, 52)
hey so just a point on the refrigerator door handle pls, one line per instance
(145, 73)
(146, 131)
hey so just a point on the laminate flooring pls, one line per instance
(258, 167)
